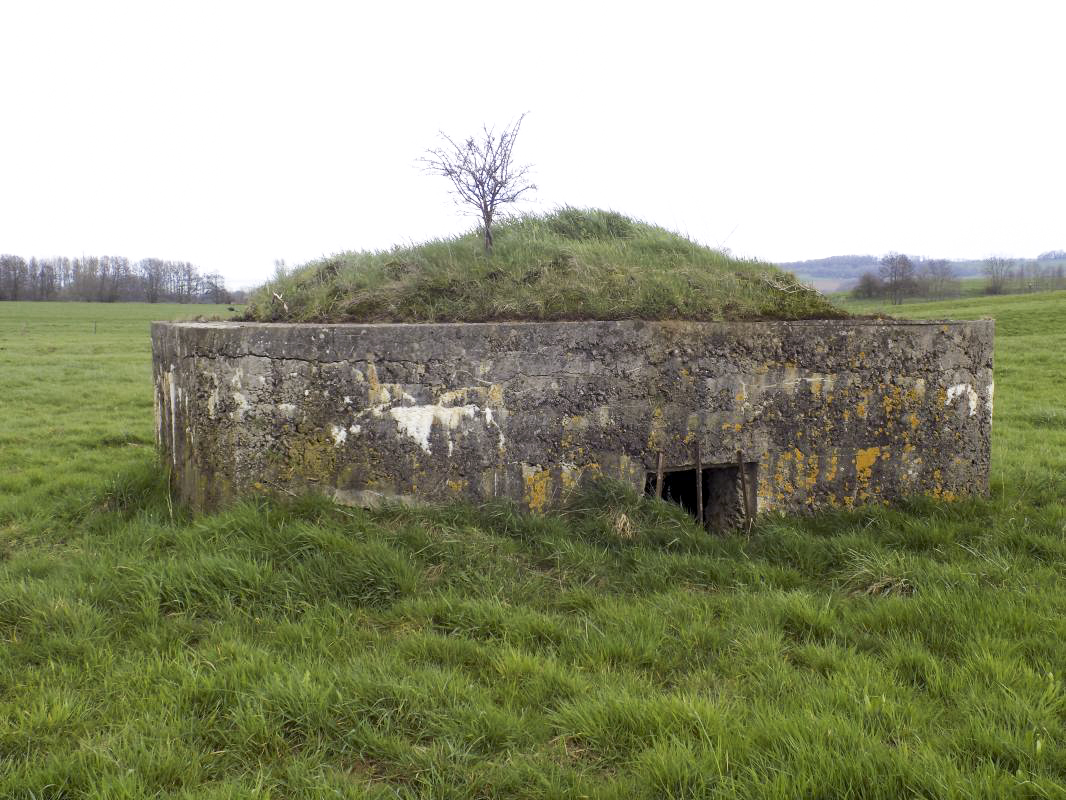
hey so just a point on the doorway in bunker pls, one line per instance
(723, 493)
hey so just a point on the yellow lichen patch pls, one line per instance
(892, 400)
(765, 488)
(313, 459)
(831, 472)
(783, 476)
(572, 428)
(942, 494)
(456, 485)
(537, 486)
(860, 407)
(809, 475)
(657, 436)
(495, 395)
(864, 463)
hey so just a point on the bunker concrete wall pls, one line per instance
(834, 413)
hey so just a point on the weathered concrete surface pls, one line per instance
(834, 413)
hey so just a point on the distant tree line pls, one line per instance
(1008, 275)
(898, 277)
(110, 279)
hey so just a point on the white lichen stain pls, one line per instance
(339, 435)
(212, 403)
(490, 420)
(288, 409)
(242, 405)
(989, 393)
(417, 421)
(960, 390)
(173, 416)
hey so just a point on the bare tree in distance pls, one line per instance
(897, 272)
(938, 277)
(482, 173)
(998, 271)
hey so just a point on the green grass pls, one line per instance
(611, 651)
(571, 264)
(971, 288)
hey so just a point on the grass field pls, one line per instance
(611, 651)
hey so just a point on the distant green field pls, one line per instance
(611, 651)
(974, 289)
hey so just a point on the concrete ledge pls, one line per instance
(827, 413)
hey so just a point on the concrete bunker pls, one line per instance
(826, 413)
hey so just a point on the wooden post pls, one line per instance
(699, 485)
(659, 478)
(744, 488)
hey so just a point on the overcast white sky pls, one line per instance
(232, 134)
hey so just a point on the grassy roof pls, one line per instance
(570, 264)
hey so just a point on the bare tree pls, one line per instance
(13, 271)
(998, 271)
(897, 272)
(938, 277)
(481, 172)
(214, 288)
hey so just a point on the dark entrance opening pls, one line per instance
(723, 493)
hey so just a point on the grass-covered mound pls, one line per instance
(571, 264)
